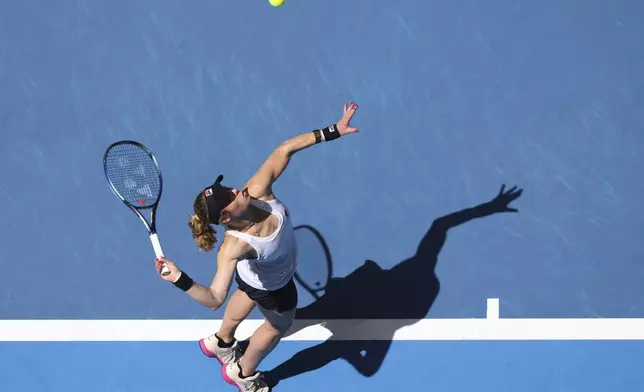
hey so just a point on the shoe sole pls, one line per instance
(229, 380)
(209, 353)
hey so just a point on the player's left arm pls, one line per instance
(260, 184)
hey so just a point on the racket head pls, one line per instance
(133, 174)
(315, 269)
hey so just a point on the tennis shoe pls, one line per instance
(211, 348)
(231, 373)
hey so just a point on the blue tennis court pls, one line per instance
(434, 287)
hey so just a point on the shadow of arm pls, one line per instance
(434, 239)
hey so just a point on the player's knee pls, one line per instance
(280, 326)
(281, 329)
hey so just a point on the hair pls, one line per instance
(203, 232)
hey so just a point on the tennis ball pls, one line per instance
(276, 3)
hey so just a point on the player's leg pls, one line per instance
(278, 308)
(265, 338)
(222, 344)
(239, 307)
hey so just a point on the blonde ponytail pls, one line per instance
(203, 233)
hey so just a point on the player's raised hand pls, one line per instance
(343, 125)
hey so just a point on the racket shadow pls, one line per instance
(368, 293)
(321, 257)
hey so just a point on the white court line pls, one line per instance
(492, 308)
(490, 328)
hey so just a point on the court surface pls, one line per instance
(433, 289)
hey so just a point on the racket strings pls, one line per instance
(134, 175)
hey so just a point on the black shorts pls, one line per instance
(280, 300)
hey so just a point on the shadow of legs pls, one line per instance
(366, 356)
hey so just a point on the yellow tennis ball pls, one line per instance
(276, 3)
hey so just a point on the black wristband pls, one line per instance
(184, 282)
(330, 133)
(318, 136)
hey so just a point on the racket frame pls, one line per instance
(150, 226)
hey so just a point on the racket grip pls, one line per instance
(154, 238)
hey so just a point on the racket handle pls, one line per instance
(154, 238)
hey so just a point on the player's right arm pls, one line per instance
(260, 185)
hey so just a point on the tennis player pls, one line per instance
(259, 244)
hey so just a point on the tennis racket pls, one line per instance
(135, 178)
(316, 270)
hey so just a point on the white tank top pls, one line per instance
(277, 253)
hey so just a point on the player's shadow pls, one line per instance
(402, 295)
